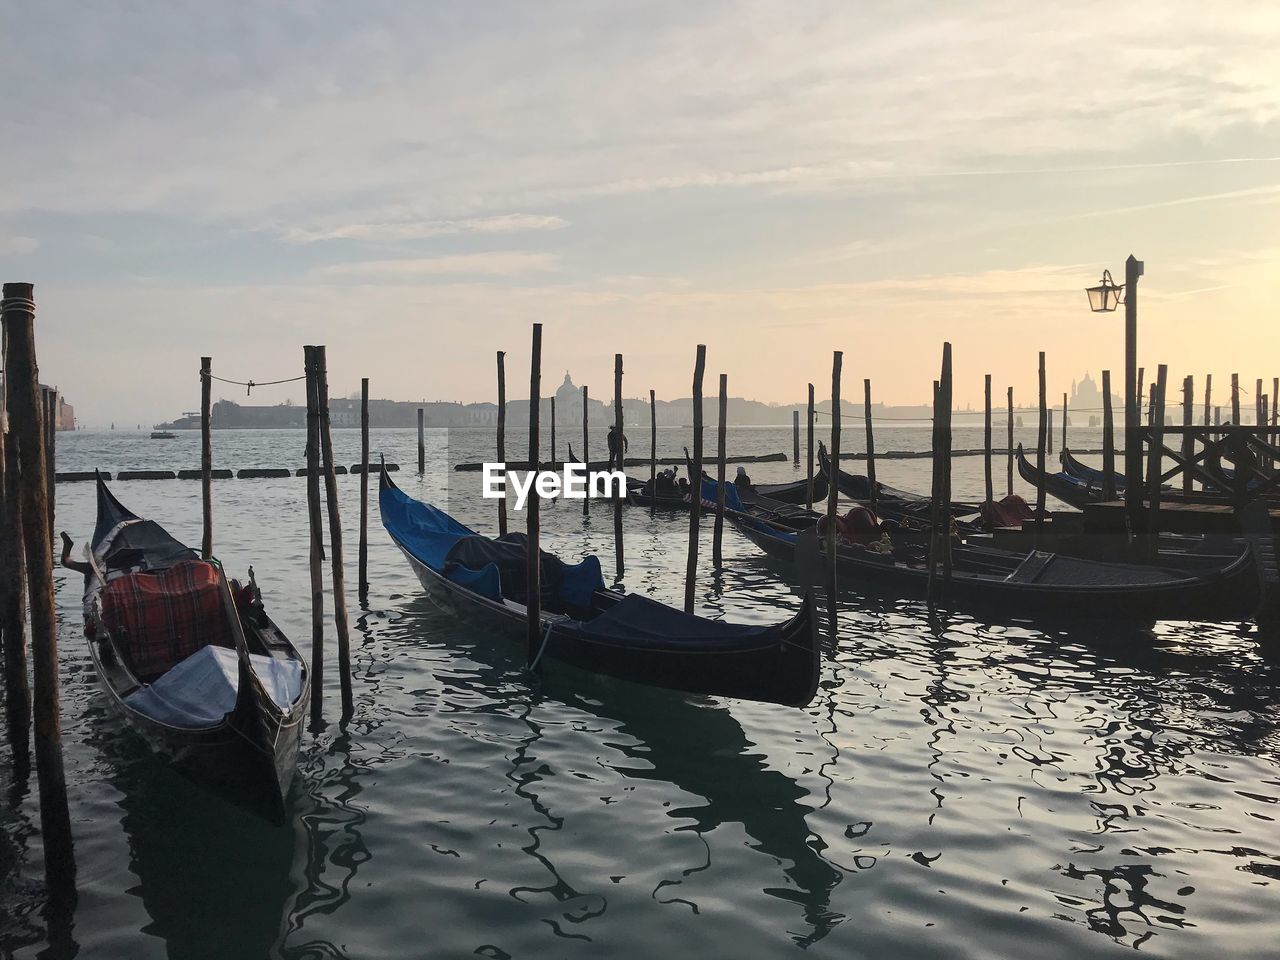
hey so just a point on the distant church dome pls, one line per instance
(567, 391)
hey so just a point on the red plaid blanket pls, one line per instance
(160, 619)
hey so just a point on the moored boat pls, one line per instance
(192, 661)
(1040, 583)
(1071, 490)
(890, 501)
(1091, 475)
(628, 637)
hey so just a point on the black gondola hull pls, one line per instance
(1229, 593)
(783, 670)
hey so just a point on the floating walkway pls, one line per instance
(248, 473)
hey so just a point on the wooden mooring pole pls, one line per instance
(1235, 399)
(22, 383)
(1259, 404)
(1208, 396)
(1108, 440)
(622, 464)
(50, 422)
(206, 456)
(422, 445)
(1188, 442)
(986, 438)
(13, 604)
(1040, 451)
(533, 552)
(695, 482)
(940, 507)
(1155, 460)
(502, 439)
(363, 561)
(1008, 453)
(1275, 411)
(1139, 399)
(874, 488)
(336, 566)
(724, 410)
(1064, 423)
(316, 526)
(653, 452)
(833, 490)
(1049, 448)
(808, 490)
(586, 453)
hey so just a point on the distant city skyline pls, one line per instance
(413, 186)
(1085, 408)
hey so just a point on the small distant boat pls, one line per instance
(192, 661)
(584, 624)
(163, 435)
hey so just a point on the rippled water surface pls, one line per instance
(956, 789)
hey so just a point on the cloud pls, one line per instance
(13, 245)
(226, 112)
(413, 229)
(499, 263)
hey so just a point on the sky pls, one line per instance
(413, 185)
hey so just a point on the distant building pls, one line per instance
(1086, 399)
(66, 412)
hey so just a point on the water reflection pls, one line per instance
(700, 748)
(329, 844)
(213, 879)
(693, 744)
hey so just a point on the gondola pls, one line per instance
(584, 624)
(793, 494)
(192, 661)
(1072, 491)
(1091, 475)
(890, 501)
(1038, 583)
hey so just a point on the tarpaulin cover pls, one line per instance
(636, 621)
(731, 499)
(159, 619)
(1009, 512)
(202, 689)
(492, 568)
(426, 532)
(572, 584)
(785, 535)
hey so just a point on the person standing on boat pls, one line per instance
(617, 451)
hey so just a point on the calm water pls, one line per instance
(956, 789)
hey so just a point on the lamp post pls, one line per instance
(1104, 298)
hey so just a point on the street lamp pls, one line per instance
(1104, 298)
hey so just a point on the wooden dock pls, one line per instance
(1175, 517)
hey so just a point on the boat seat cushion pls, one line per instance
(160, 619)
